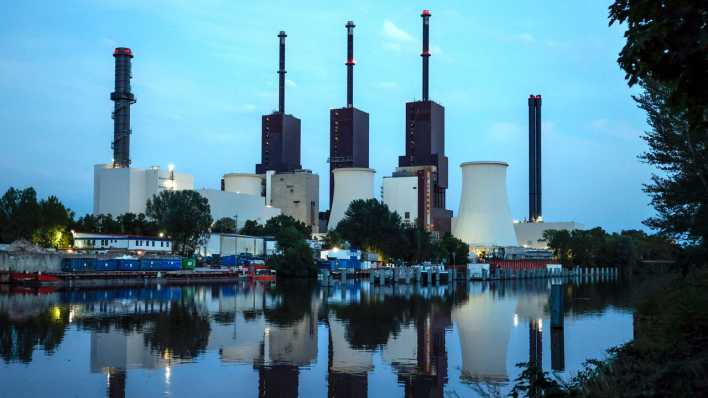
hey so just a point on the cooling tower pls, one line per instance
(244, 183)
(350, 184)
(484, 218)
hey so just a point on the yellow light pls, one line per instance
(56, 313)
(162, 234)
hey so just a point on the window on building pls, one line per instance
(408, 215)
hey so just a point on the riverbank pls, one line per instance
(667, 358)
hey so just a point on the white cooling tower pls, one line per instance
(484, 218)
(244, 183)
(349, 184)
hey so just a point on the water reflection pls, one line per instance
(431, 340)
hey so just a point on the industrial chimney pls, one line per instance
(281, 73)
(123, 99)
(535, 213)
(426, 51)
(350, 64)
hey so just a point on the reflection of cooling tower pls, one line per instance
(484, 218)
(346, 359)
(349, 184)
(245, 183)
(484, 324)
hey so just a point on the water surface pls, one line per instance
(296, 339)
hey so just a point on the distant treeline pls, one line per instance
(595, 247)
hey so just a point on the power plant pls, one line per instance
(348, 126)
(416, 190)
(424, 165)
(280, 132)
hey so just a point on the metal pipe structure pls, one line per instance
(535, 213)
(281, 73)
(123, 98)
(426, 51)
(350, 63)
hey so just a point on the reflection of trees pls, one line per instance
(182, 331)
(18, 338)
(369, 324)
(295, 302)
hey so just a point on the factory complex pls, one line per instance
(280, 184)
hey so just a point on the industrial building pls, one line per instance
(117, 187)
(530, 234)
(128, 243)
(348, 126)
(296, 194)
(240, 207)
(425, 155)
(226, 244)
(280, 133)
(120, 190)
(484, 219)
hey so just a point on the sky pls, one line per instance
(204, 72)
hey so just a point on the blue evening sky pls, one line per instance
(204, 72)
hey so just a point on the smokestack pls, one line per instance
(123, 98)
(426, 51)
(350, 63)
(281, 73)
(535, 214)
(539, 212)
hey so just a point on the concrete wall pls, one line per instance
(30, 262)
(400, 194)
(297, 194)
(240, 206)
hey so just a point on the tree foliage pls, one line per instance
(595, 247)
(46, 222)
(184, 216)
(370, 225)
(224, 225)
(128, 223)
(665, 52)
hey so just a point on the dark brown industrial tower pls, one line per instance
(425, 146)
(280, 133)
(348, 126)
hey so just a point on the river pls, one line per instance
(300, 339)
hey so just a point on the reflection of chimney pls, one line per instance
(557, 349)
(281, 73)
(278, 381)
(536, 344)
(116, 383)
(426, 51)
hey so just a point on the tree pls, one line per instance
(370, 225)
(224, 225)
(665, 52)
(184, 216)
(451, 250)
(252, 228)
(54, 225)
(333, 239)
(559, 242)
(20, 214)
(278, 223)
(296, 259)
(680, 194)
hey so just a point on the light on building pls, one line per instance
(171, 167)
(162, 234)
(516, 320)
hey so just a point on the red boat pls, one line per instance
(260, 273)
(31, 278)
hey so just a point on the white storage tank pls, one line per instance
(484, 219)
(243, 183)
(349, 184)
